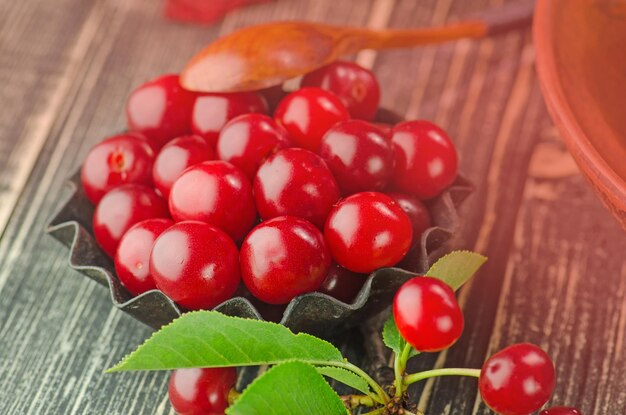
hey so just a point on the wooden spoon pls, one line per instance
(265, 55)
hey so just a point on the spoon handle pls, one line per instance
(491, 22)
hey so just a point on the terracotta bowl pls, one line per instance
(581, 61)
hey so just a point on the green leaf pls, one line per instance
(393, 339)
(391, 336)
(346, 377)
(287, 389)
(211, 339)
(456, 268)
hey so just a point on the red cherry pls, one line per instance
(385, 128)
(269, 312)
(308, 113)
(195, 264)
(120, 209)
(247, 140)
(215, 192)
(117, 160)
(212, 111)
(175, 157)
(160, 109)
(416, 211)
(367, 231)
(358, 155)
(517, 380)
(199, 391)
(342, 284)
(560, 410)
(283, 258)
(420, 219)
(132, 258)
(273, 95)
(295, 182)
(427, 314)
(356, 86)
(425, 159)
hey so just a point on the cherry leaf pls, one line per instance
(289, 388)
(211, 339)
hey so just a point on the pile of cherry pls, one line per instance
(206, 190)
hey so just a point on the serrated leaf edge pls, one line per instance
(386, 340)
(247, 389)
(119, 367)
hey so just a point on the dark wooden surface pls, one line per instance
(556, 275)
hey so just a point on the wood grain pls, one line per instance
(555, 277)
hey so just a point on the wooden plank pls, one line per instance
(494, 114)
(36, 73)
(565, 285)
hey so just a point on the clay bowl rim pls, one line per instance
(582, 149)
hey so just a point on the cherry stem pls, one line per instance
(232, 396)
(399, 368)
(353, 401)
(416, 377)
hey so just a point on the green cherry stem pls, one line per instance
(399, 368)
(232, 396)
(353, 401)
(416, 377)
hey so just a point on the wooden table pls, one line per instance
(556, 275)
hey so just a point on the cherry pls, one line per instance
(342, 284)
(367, 231)
(517, 380)
(132, 258)
(425, 159)
(416, 210)
(308, 113)
(124, 158)
(283, 258)
(385, 128)
(176, 156)
(295, 182)
(273, 95)
(420, 219)
(560, 410)
(120, 209)
(427, 314)
(160, 109)
(269, 312)
(247, 140)
(356, 86)
(212, 111)
(195, 264)
(199, 391)
(358, 155)
(215, 192)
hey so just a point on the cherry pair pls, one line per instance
(162, 110)
(517, 380)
